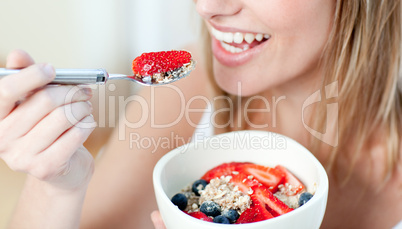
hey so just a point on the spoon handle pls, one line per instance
(71, 76)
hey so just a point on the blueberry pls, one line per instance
(304, 198)
(231, 214)
(199, 185)
(210, 208)
(221, 219)
(180, 200)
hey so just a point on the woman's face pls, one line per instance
(265, 43)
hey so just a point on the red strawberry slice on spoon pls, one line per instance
(165, 65)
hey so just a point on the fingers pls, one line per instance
(43, 135)
(157, 220)
(72, 139)
(16, 86)
(39, 105)
(56, 160)
(54, 125)
(53, 160)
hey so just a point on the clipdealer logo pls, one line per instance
(240, 140)
(148, 110)
(330, 136)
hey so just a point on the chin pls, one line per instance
(241, 81)
(238, 84)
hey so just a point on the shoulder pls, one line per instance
(384, 159)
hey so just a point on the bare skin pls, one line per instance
(120, 192)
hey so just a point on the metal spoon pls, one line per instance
(101, 76)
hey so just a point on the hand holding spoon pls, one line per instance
(150, 69)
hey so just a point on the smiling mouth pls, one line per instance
(239, 42)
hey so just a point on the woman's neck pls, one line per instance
(286, 109)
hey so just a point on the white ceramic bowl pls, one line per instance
(185, 164)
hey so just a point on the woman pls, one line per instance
(281, 54)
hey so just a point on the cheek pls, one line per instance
(290, 14)
(298, 22)
(299, 32)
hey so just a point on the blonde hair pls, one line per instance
(363, 55)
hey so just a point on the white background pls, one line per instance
(95, 33)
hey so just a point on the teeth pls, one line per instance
(249, 38)
(259, 37)
(238, 37)
(218, 35)
(233, 49)
(228, 37)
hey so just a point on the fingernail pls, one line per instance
(49, 70)
(87, 91)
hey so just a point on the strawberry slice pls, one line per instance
(149, 64)
(244, 182)
(268, 176)
(255, 213)
(200, 215)
(225, 169)
(264, 196)
(292, 184)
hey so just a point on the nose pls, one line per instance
(212, 8)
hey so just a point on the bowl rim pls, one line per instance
(320, 192)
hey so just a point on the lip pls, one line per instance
(234, 59)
